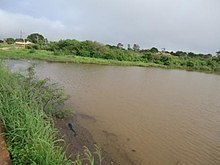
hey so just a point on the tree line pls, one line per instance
(34, 38)
(93, 49)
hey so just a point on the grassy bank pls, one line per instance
(202, 64)
(13, 53)
(26, 109)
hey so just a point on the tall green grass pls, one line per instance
(89, 158)
(26, 109)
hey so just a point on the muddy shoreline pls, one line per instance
(74, 145)
(4, 154)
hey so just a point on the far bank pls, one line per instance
(159, 60)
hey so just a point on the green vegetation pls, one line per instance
(94, 52)
(26, 109)
(10, 40)
(33, 54)
(37, 39)
(89, 158)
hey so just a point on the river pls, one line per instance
(144, 116)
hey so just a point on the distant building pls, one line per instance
(22, 44)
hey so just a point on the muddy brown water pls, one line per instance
(144, 115)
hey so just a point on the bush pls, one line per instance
(166, 60)
(154, 50)
(190, 64)
(32, 51)
(34, 46)
(148, 56)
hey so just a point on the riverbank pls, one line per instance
(75, 145)
(26, 109)
(20, 53)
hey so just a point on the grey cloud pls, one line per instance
(13, 23)
(173, 24)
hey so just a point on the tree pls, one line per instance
(191, 54)
(154, 50)
(19, 40)
(218, 53)
(10, 40)
(180, 53)
(129, 47)
(136, 47)
(120, 45)
(37, 38)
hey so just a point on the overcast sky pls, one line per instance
(189, 25)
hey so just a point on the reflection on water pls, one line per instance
(144, 115)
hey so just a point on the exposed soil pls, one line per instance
(74, 145)
(4, 154)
